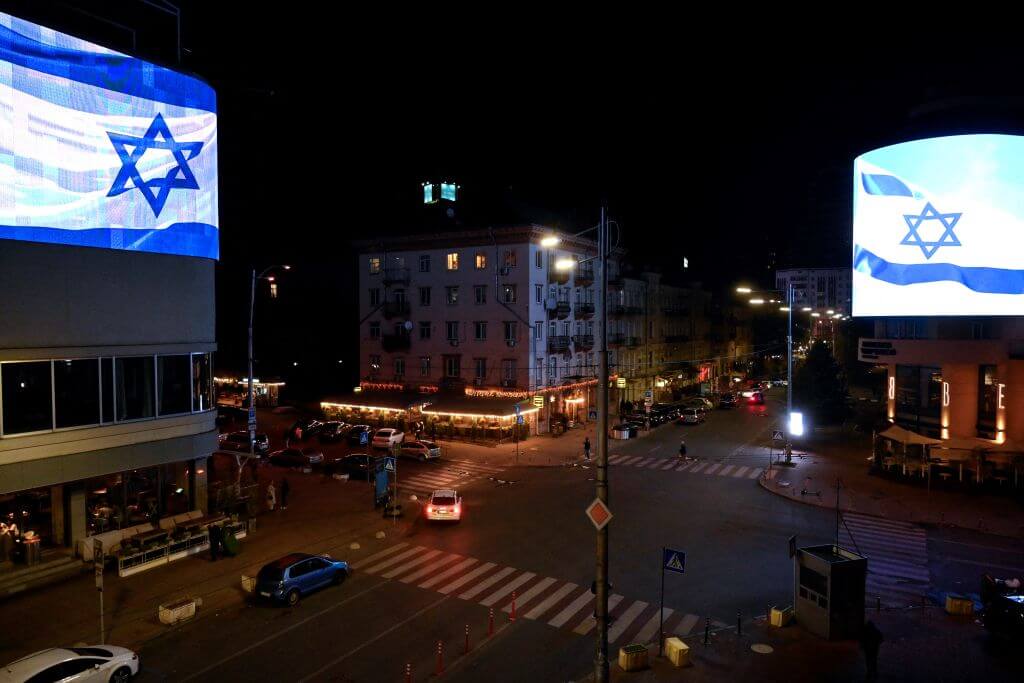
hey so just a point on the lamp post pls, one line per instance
(252, 400)
(758, 300)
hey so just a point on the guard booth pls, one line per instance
(829, 591)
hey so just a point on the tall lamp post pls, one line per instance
(601, 565)
(792, 427)
(252, 309)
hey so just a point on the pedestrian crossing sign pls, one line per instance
(674, 560)
(777, 435)
(389, 464)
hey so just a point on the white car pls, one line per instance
(421, 450)
(387, 437)
(94, 663)
(691, 416)
(444, 504)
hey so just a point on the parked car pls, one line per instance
(304, 429)
(727, 401)
(623, 431)
(239, 441)
(756, 398)
(671, 409)
(421, 450)
(700, 402)
(357, 465)
(691, 416)
(296, 457)
(92, 663)
(444, 504)
(332, 431)
(289, 578)
(355, 435)
(387, 437)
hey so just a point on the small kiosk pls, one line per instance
(828, 587)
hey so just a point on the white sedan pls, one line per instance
(421, 450)
(387, 437)
(94, 663)
(444, 504)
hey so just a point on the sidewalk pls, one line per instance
(829, 457)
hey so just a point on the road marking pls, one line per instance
(551, 600)
(651, 627)
(351, 652)
(625, 619)
(536, 590)
(579, 603)
(726, 470)
(686, 625)
(395, 560)
(656, 465)
(507, 588)
(279, 633)
(430, 480)
(377, 556)
(458, 583)
(430, 568)
(699, 467)
(487, 583)
(468, 562)
(590, 622)
(410, 564)
(669, 465)
(741, 471)
(755, 474)
(712, 469)
(615, 459)
(644, 462)
(632, 460)
(684, 466)
(651, 450)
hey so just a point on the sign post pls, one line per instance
(777, 436)
(674, 561)
(98, 561)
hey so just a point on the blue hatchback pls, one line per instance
(294, 575)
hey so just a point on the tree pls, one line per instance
(820, 386)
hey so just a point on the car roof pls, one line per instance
(385, 429)
(27, 666)
(444, 492)
(288, 560)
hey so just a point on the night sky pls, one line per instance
(727, 150)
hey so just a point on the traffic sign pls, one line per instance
(364, 438)
(777, 435)
(620, 382)
(98, 561)
(674, 560)
(599, 514)
(519, 419)
(516, 406)
(538, 401)
(389, 464)
(648, 395)
(592, 414)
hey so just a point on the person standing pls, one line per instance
(285, 490)
(870, 640)
(586, 448)
(214, 532)
(271, 496)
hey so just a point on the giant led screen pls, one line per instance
(101, 149)
(938, 227)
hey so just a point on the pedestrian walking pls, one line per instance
(215, 540)
(271, 496)
(586, 448)
(870, 640)
(682, 449)
(285, 490)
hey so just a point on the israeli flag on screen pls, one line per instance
(102, 149)
(938, 228)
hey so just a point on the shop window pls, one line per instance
(134, 392)
(202, 382)
(76, 392)
(988, 398)
(174, 385)
(107, 389)
(27, 397)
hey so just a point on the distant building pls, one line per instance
(817, 288)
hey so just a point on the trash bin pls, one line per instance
(230, 544)
(33, 550)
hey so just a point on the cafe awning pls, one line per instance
(386, 401)
(907, 437)
(487, 407)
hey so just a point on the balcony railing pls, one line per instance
(559, 309)
(632, 342)
(396, 308)
(583, 341)
(675, 311)
(674, 338)
(558, 276)
(396, 276)
(616, 309)
(616, 339)
(558, 344)
(634, 310)
(583, 309)
(396, 342)
(584, 275)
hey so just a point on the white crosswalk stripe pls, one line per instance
(534, 591)
(755, 474)
(644, 462)
(726, 470)
(669, 465)
(460, 582)
(740, 472)
(507, 589)
(430, 568)
(720, 469)
(575, 606)
(625, 619)
(551, 601)
(392, 573)
(615, 459)
(468, 562)
(377, 556)
(699, 467)
(897, 555)
(684, 627)
(487, 583)
(394, 560)
(590, 623)
(648, 630)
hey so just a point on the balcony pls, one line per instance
(396, 276)
(396, 342)
(559, 309)
(396, 308)
(558, 344)
(558, 276)
(583, 341)
(455, 384)
(509, 384)
(632, 342)
(616, 339)
(616, 309)
(676, 338)
(675, 311)
(616, 281)
(584, 275)
(634, 310)
(584, 310)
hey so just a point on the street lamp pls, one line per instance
(252, 397)
(788, 309)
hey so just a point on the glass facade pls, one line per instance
(27, 397)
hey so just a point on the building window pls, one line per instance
(510, 258)
(452, 260)
(539, 372)
(374, 364)
(399, 367)
(480, 330)
(174, 390)
(508, 370)
(451, 295)
(374, 265)
(375, 330)
(424, 296)
(424, 329)
(552, 370)
(508, 294)
(425, 366)
(538, 330)
(538, 293)
(988, 398)
(134, 391)
(453, 366)
(27, 397)
(375, 296)
(202, 382)
(918, 391)
(107, 388)
(538, 258)
(510, 330)
(424, 263)
(76, 392)
(481, 261)
(480, 368)
(452, 329)
(480, 291)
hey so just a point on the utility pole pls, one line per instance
(601, 574)
(789, 354)
(252, 399)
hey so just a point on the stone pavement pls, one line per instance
(825, 457)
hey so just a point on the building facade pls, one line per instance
(817, 288)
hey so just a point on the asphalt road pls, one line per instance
(530, 534)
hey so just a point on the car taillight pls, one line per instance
(430, 508)
(458, 509)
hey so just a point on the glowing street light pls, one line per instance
(784, 308)
(830, 311)
(806, 309)
(565, 264)
(757, 301)
(743, 290)
(815, 315)
(550, 240)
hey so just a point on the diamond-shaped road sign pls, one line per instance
(777, 435)
(599, 513)
(674, 560)
(389, 464)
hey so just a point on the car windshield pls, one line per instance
(91, 651)
(271, 574)
(443, 500)
(428, 444)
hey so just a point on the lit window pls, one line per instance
(453, 260)
(481, 261)
(508, 294)
(374, 265)
(428, 194)
(451, 295)
(510, 258)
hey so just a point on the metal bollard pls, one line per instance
(707, 629)
(512, 614)
(467, 640)
(490, 624)
(739, 624)
(440, 658)
(408, 673)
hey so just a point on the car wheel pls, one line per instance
(423, 458)
(292, 598)
(122, 675)
(339, 577)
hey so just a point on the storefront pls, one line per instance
(137, 496)
(233, 392)
(479, 418)
(397, 409)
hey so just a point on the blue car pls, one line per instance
(289, 578)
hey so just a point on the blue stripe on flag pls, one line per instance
(977, 278)
(185, 239)
(891, 186)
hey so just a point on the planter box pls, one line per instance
(958, 604)
(781, 617)
(677, 652)
(248, 583)
(633, 657)
(176, 611)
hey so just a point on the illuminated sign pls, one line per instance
(448, 191)
(892, 388)
(428, 193)
(938, 227)
(100, 149)
(945, 393)
(999, 397)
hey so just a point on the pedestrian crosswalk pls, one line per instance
(718, 469)
(897, 555)
(446, 474)
(560, 604)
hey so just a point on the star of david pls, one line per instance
(947, 239)
(156, 190)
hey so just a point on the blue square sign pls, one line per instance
(673, 560)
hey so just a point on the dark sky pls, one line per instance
(718, 143)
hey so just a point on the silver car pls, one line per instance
(421, 450)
